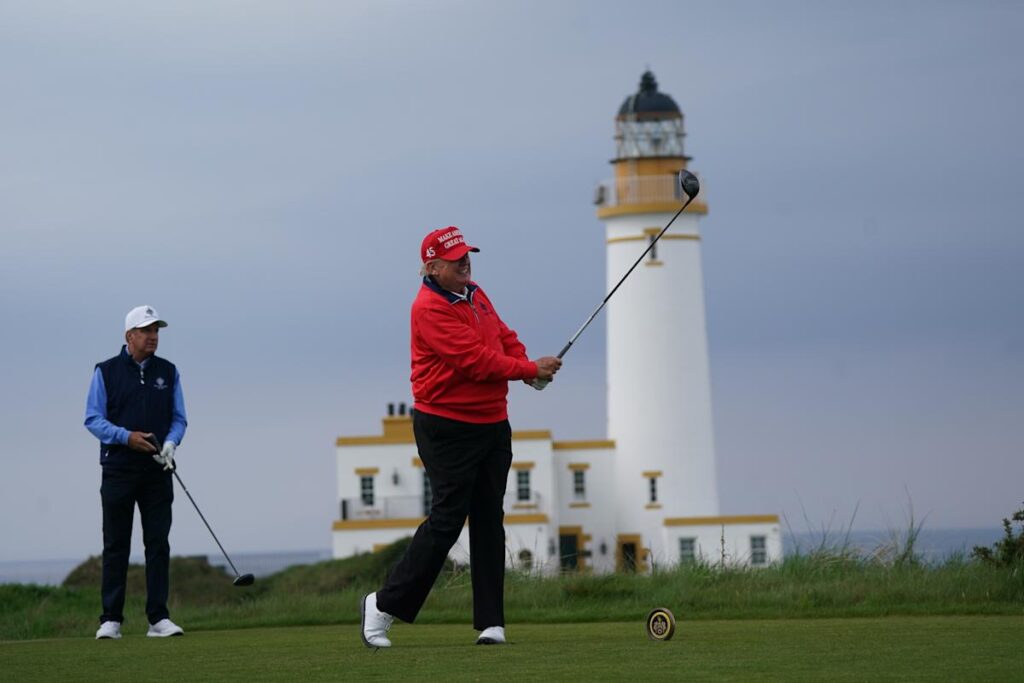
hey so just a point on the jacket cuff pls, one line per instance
(529, 369)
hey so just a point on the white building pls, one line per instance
(645, 495)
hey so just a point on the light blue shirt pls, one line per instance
(107, 432)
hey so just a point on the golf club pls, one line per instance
(690, 186)
(240, 579)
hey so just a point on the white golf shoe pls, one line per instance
(164, 628)
(492, 635)
(374, 625)
(109, 629)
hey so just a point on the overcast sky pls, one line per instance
(263, 173)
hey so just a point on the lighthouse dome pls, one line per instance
(648, 101)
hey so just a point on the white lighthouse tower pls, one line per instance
(659, 394)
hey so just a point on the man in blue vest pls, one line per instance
(136, 397)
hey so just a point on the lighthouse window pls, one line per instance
(653, 253)
(654, 489)
(523, 485)
(366, 490)
(579, 487)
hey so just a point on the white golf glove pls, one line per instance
(539, 383)
(166, 456)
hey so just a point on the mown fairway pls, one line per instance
(890, 648)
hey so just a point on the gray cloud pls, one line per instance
(263, 176)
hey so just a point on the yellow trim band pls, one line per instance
(539, 518)
(523, 465)
(644, 238)
(652, 474)
(650, 207)
(722, 521)
(579, 466)
(581, 445)
(413, 522)
(396, 523)
(524, 435)
(367, 471)
(579, 505)
(529, 434)
(397, 426)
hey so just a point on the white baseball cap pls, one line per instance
(142, 316)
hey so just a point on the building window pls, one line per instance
(522, 485)
(653, 253)
(654, 489)
(366, 490)
(687, 550)
(758, 551)
(579, 484)
(525, 560)
(428, 494)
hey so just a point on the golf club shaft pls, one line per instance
(183, 488)
(609, 296)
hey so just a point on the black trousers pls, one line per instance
(467, 465)
(151, 488)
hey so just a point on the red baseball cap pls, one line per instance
(445, 243)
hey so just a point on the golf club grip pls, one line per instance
(539, 383)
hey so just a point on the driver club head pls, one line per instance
(689, 183)
(244, 580)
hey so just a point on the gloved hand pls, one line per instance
(166, 455)
(546, 369)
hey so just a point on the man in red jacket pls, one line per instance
(463, 357)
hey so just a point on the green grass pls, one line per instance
(819, 585)
(825, 615)
(890, 648)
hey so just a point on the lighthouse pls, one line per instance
(659, 391)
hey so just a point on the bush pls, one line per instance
(1009, 551)
(364, 571)
(193, 580)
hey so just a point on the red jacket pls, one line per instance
(463, 355)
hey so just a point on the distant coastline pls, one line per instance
(53, 572)
(932, 545)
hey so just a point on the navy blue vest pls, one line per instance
(140, 400)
